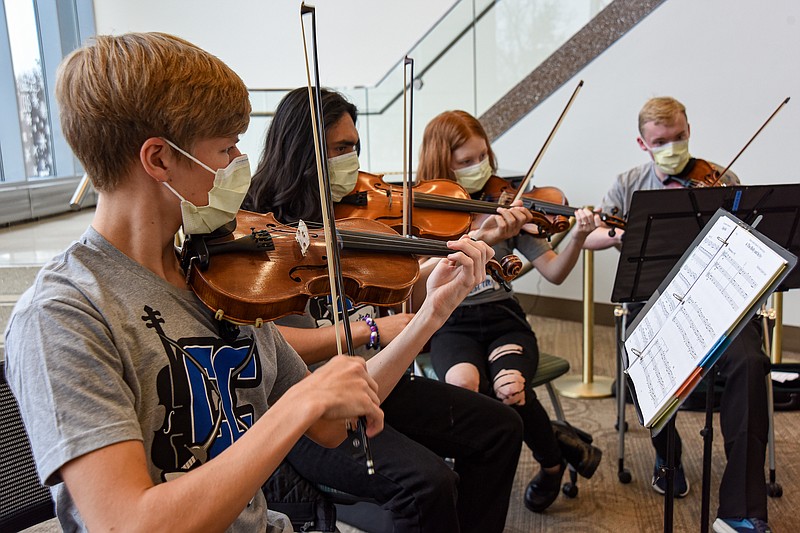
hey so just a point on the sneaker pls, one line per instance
(741, 525)
(581, 455)
(680, 486)
(543, 489)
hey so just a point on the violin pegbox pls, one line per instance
(302, 237)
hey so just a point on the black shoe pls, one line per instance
(680, 485)
(543, 489)
(577, 450)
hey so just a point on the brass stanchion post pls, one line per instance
(776, 352)
(587, 385)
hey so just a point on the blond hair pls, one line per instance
(661, 110)
(445, 133)
(117, 91)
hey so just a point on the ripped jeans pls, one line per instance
(474, 333)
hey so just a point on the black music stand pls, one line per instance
(661, 225)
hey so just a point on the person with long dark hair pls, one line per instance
(426, 421)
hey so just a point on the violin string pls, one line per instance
(535, 205)
(380, 241)
(393, 243)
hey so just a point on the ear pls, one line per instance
(156, 158)
(642, 145)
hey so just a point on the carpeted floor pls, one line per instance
(603, 503)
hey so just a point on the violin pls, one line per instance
(548, 205)
(376, 199)
(256, 270)
(699, 173)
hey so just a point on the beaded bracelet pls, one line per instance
(374, 336)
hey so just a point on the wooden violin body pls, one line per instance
(700, 173)
(375, 199)
(547, 205)
(549, 221)
(263, 284)
(262, 270)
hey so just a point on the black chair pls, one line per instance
(24, 502)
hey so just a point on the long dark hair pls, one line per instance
(286, 180)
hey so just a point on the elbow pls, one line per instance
(556, 277)
(329, 437)
(332, 441)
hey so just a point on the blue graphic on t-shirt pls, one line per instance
(213, 394)
(198, 390)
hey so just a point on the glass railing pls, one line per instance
(475, 54)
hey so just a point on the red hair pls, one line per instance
(445, 133)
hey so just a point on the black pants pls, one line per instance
(745, 426)
(470, 335)
(425, 421)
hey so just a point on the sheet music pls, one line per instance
(689, 272)
(715, 287)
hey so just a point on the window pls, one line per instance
(35, 35)
(33, 113)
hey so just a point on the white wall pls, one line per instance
(731, 62)
(359, 40)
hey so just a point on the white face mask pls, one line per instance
(671, 158)
(343, 173)
(475, 177)
(224, 199)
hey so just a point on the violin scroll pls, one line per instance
(612, 221)
(505, 270)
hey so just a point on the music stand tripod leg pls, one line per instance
(668, 471)
(708, 437)
(620, 314)
(774, 489)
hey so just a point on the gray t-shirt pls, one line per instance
(491, 291)
(643, 178)
(100, 350)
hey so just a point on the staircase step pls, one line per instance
(14, 280)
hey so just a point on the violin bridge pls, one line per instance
(302, 238)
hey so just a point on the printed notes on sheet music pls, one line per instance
(715, 287)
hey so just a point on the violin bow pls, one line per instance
(764, 125)
(338, 297)
(529, 175)
(408, 111)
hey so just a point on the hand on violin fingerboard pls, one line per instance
(456, 275)
(599, 238)
(585, 223)
(507, 223)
